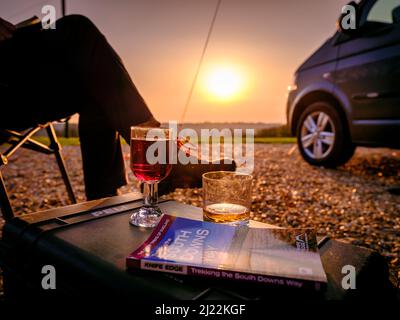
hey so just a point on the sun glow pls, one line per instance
(223, 83)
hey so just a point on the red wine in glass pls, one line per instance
(150, 163)
(140, 166)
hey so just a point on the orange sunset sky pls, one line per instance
(256, 46)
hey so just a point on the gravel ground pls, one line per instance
(350, 203)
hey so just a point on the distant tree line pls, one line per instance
(278, 131)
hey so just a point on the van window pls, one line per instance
(382, 11)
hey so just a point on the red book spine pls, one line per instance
(154, 238)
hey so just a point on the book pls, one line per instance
(273, 256)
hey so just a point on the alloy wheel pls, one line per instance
(317, 135)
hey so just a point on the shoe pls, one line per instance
(190, 175)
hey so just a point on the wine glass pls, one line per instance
(150, 163)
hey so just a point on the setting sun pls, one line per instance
(223, 83)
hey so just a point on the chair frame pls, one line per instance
(18, 140)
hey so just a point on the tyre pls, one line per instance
(323, 136)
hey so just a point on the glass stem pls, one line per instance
(150, 194)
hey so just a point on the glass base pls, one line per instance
(146, 217)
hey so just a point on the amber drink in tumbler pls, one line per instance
(227, 197)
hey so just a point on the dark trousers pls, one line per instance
(46, 75)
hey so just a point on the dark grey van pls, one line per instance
(347, 93)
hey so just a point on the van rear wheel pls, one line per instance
(323, 137)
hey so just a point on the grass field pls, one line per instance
(272, 140)
(265, 140)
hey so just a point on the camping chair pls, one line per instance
(24, 139)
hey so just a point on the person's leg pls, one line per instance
(102, 158)
(112, 103)
(74, 69)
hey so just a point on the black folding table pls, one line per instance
(87, 244)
